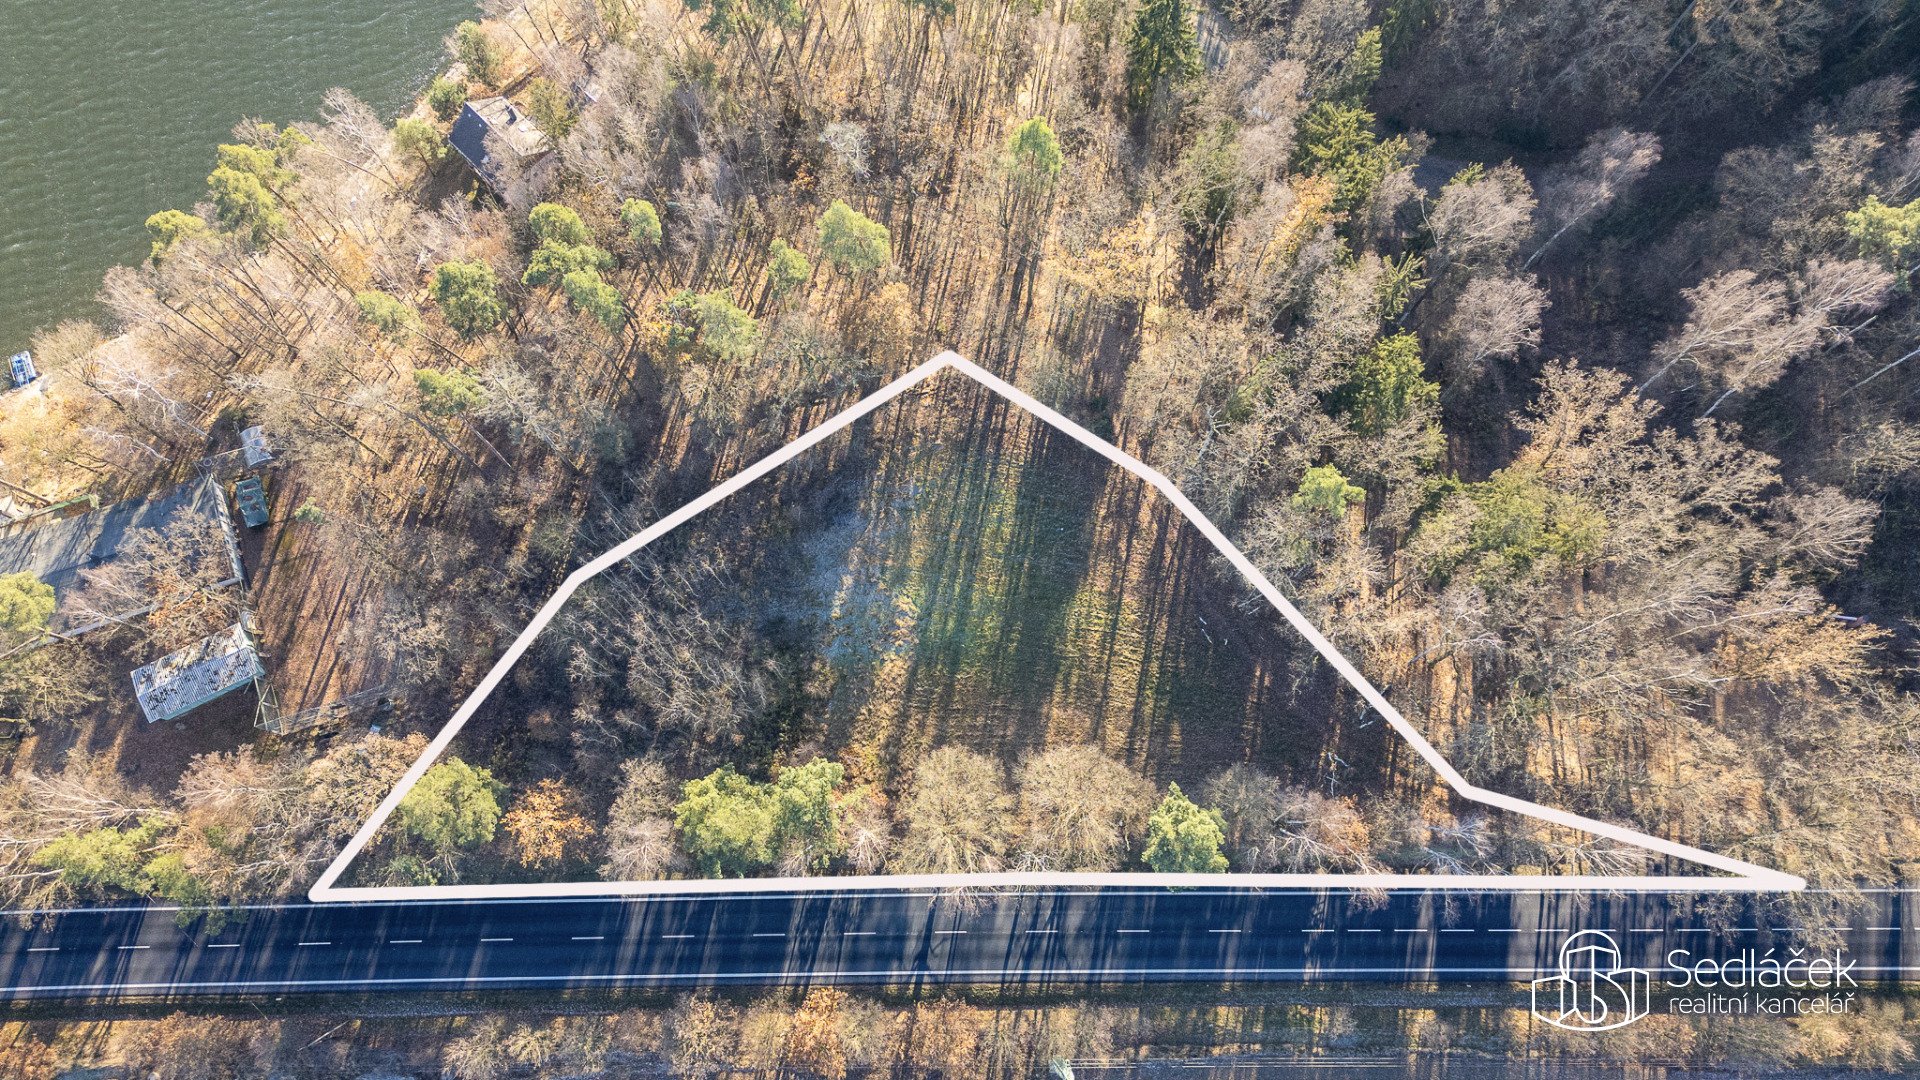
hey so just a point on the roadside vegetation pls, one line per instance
(1561, 367)
(828, 1033)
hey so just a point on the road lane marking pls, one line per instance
(1646, 930)
(124, 948)
(485, 940)
(405, 941)
(949, 932)
(676, 937)
(1043, 931)
(44, 948)
(786, 977)
(1226, 931)
(223, 944)
(1895, 929)
(1409, 930)
(860, 933)
(1133, 931)
(1319, 930)
(304, 943)
(589, 937)
(769, 935)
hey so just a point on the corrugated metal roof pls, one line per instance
(182, 681)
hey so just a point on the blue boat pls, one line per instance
(20, 366)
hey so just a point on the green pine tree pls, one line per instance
(1184, 838)
(1163, 50)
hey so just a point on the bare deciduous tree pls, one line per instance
(1480, 219)
(174, 584)
(1610, 164)
(1080, 809)
(958, 815)
(1495, 318)
(640, 842)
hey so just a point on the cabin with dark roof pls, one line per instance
(500, 142)
(57, 549)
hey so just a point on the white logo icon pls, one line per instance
(1591, 991)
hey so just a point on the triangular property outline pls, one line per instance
(1747, 877)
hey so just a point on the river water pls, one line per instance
(110, 109)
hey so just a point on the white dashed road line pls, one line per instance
(1121, 930)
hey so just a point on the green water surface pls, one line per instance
(110, 109)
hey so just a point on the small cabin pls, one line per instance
(59, 549)
(499, 141)
(253, 447)
(211, 668)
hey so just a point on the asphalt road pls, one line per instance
(1022, 939)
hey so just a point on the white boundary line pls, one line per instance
(1748, 877)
